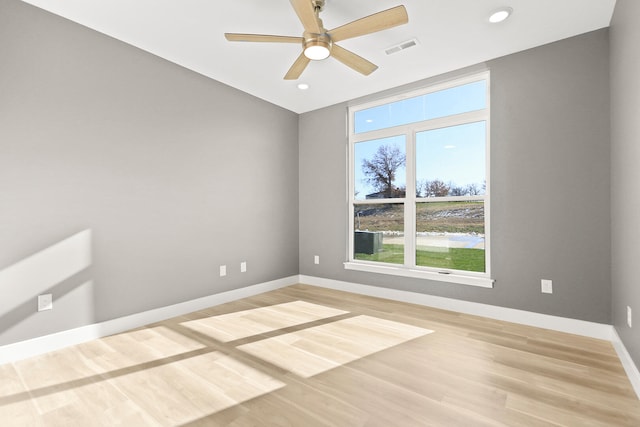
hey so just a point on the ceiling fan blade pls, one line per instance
(236, 37)
(352, 60)
(297, 68)
(307, 15)
(370, 24)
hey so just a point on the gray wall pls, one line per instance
(125, 180)
(550, 180)
(625, 170)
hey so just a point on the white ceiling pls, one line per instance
(451, 33)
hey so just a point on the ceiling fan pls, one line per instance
(318, 43)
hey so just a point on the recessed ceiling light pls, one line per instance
(303, 86)
(500, 15)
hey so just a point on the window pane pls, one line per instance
(456, 100)
(379, 168)
(451, 161)
(450, 235)
(379, 233)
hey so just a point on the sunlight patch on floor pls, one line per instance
(315, 350)
(247, 323)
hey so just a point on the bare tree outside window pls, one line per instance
(380, 171)
(435, 188)
(473, 189)
(456, 191)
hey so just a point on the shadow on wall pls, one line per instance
(54, 270)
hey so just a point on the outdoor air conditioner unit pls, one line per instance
(368, 242)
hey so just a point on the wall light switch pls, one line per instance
(45, 302)
(223, 270)
(547, 286)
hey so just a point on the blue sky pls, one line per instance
(454, 154)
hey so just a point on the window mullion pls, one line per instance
(410, 202)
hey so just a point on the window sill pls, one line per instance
(482, 282)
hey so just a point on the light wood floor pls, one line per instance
(304, 356)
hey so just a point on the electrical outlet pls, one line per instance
(547, 286)
(243, 267)
(316, 259)
(45, 302)
(629, 319)
(223, 270)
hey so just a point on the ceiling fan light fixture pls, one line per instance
(317, 49)
(316, 53)
(500, 15)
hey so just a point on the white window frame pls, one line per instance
(409, 268)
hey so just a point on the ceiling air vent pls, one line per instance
(401, 46)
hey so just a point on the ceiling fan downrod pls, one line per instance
(318, 5)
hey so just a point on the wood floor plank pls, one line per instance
(21, 410)
(308, 356)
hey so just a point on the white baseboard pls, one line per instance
(556, 323)
(47, 343)
(627, 363)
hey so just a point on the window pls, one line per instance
(419, 187)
